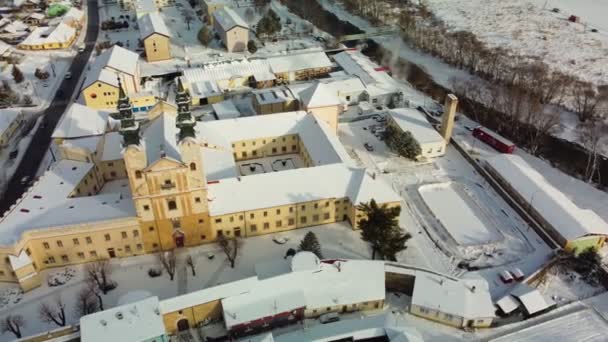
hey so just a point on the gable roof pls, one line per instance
(81, 121)
(160, 139)
(570, 221)
(411, 120)
(299, 61)
(227, 18)
(318, 95)
(119, 58)
(151, 23)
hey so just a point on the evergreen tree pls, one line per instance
(310, 243)
(204, 36)
(17, 74)
(403, 143)
(270, 24)
(380, 228)
(251, 46)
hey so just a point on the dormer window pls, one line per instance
(193, 166)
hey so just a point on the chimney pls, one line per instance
(449, 113)
(473, 289)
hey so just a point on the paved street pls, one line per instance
(42, 138)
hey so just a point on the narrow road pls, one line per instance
(42, 138)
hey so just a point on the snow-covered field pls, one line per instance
(528, 30)
(459, 214)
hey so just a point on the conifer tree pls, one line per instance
(310, 243)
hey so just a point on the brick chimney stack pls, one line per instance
(449, 113)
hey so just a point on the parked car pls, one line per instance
(81, 49)
(329, 317)
(368, 146)
(506, 277)
(517, 274)
(279, 239)
(68, 75)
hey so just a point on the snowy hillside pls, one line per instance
(524, 27)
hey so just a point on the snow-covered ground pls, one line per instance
(337, 241)
(445, 74)
(528, 30)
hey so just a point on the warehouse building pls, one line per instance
(432, 144)
(572, 227)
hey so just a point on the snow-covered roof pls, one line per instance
(106, 65)
(227, 18)
(343, 282)
(225, 110)
(19, 261)
(204, 89)
(46, 204)
(296, 186)
(256, 304)
(318, 95)
(357, 329)
(532, 300)
(570, 221)
(507, 304)
(89, 143)
(7, 116)
(112, 147)
(151, 23)
(322, 145)
(273, 95)
(81, 121)
(140, 321)
(305, 261)
(35, 15)
(4, 48)
(300, 61)
(409, 119)
(467, 298)
(120, 59)
(144, 6)
(218, 164)
(226, 70)
(160, 139)
(355, 63)
(74, 14)
(16, 26)
(206, 295)
(343, 86)
(62, 33)
(580, 325)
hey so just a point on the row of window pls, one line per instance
(92, 254)
(88, 240)
(253, 143)
(254, 153)
(278, 211)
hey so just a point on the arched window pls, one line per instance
(138, 174)
(193, 166)
(172, 205)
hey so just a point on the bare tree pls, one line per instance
(85, 302)
(168, 262)
(98, 273)
(591, 135)
(190, 263)
(53, 312)
(586, 100)
(539, 122)
(188, 17)
(230, 246)
(12, 323)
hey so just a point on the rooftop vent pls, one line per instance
(23, 210)
(74, 168)
(103, 322)
(119, 315)
(37, 196)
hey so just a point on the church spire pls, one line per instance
(129, 128)
(185, 122)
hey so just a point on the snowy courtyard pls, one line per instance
(270, 164)
(459, 214)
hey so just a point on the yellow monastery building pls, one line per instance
(169, 182)
(156, 37)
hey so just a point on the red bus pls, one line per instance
(499, 143)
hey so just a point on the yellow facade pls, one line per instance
(158, 47)
(195, 315)
(101, 95)
(448, 319)
(49, 45)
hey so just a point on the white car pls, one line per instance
(280, 240)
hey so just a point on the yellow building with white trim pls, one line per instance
(187, 186)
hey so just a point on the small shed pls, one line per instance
(532, 300)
